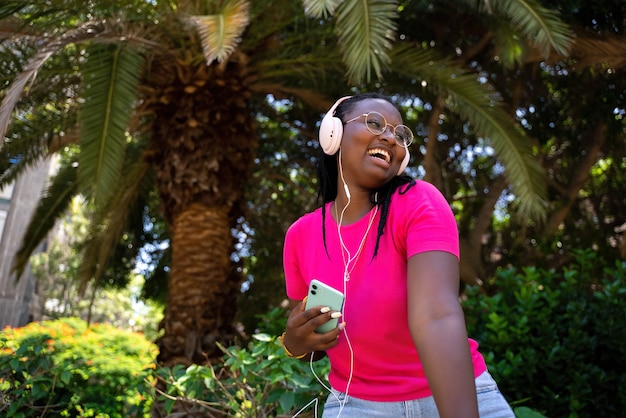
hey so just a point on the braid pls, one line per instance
(386, 192)
(326, 172)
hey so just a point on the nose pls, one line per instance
(388, 134)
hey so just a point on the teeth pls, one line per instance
(380, 153)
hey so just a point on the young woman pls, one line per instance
(389, 243)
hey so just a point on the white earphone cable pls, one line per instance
(348, 260)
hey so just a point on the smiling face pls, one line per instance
(369, 160)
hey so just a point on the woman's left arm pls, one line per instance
(438, 330)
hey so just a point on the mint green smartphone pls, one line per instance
(321, 294)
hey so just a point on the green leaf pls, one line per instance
(366, 32)
(299, 380)
(540, 25)
(287, 401)
(320, 8)
(108, 226)
(263, 337)
(66, 376)
(111, 75)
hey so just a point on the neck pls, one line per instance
(359, 205)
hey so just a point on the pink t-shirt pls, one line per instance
(386, 363)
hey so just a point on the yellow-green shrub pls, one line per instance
(65, 368)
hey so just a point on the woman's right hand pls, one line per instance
(300, 336)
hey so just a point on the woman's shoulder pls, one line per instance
(419, 191)
(421, 219)
(418, 200)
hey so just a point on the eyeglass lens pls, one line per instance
(377, 124)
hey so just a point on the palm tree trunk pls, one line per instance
(200, 307)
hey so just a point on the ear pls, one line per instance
(331, 130)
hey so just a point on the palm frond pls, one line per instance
(304, 67)
(512, 148)
(33, 135)
(111, 77)
(511, 48)
(591, 52)
(20, 158)
(51, 207)
(320, 8)
(539, 25)
(107, 230)
(366, 31)
(8, 8)
(29, 73)
(26, 147)
(220, 33)
(478, 104)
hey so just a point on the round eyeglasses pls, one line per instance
(377, 124)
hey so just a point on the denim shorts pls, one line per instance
(491, 404)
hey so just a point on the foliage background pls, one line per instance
(569, 109)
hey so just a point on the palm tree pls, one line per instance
(163, 94)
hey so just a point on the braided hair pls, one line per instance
(327, 173)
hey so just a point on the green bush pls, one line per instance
(556, 340)
(253, 381)
(65, 368)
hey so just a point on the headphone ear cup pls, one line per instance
(331, 130)
(405, 162)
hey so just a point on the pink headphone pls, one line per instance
(331, 131)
